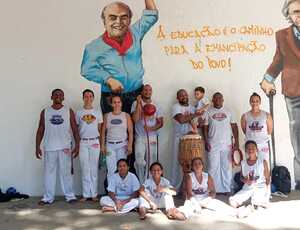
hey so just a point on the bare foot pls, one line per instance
(173, 213)
(95, 199)
(142, 213)
(83, 199)
(108, 209)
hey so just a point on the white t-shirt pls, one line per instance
(151, 121)
(219, 125)
(256, 127)
(87, 121)
(150, 187)
(123, 187)
(182, 129)
(199, 190)
(201, 103)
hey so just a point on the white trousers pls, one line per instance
(263, 151)
(177, 173)
(194, 206)
(165, 201)
(114, 153)
(63, 160)
(89, 160)
(108, 202)
(141, 163)
(220, 167)
(260, 195)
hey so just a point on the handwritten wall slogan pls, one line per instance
(210, 47)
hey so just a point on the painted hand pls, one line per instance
(267, 87)
(114, 85)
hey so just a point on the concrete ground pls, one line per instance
(283, 213)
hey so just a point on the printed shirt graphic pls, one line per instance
(56, 120)
(150, 187)
(87, 121)
(219, 122)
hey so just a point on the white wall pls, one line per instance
(41, 47)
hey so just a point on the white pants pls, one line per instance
(141, 163)
(89, 160)
(114, 153)
(177, 173)
(108, 202)
(63, 160)
(194, 206)
(220, 167)
(263, 151)
(165, 201)
(259, 195)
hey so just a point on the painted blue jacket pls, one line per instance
(101, 61)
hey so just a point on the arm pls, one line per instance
(137, 113)
(243, 123)
(39, 135)
(267, 172)
(157, 126)
(188, 182)
(130, 133)
(211, 187)
(269, 124)
(235, 131)
(150, 5)
(184, 118)
(103, 134)
(75, 132)
(205, 137)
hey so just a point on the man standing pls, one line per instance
(183, 115)
(147, 123)
(114, 60)
(56, 124)
(287, 61)
(219, 128)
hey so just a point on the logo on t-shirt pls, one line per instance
(88, 118)
(219, 116)
(255, 126)
(56, 120)
(252, 176)
(116, 121)
(199, 191)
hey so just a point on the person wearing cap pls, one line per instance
(148, 119)
(114, 59)
(56, 126)
(287, 61)
(89, 122)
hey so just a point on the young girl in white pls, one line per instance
(256, 178)
(122, 190)
(156, 192)
(89, 121)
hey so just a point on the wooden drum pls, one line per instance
(190, 146)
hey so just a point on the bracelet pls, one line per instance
(269, 78)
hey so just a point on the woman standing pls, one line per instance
(257, 126)
(116, 136)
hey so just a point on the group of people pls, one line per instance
(114, 134)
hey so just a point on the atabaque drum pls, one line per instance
(190, 147)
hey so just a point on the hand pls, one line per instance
(38, 153)
(153, 206)
(267, 87)
(75, 151)
(114, 85)
(147, 128)
(103, 150)
(159, 189)
(119, 205)
(129, 150)
(207, 146)
(139, 100)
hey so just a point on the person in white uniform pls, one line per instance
(256, 178)
(122, 191)
(89, 122)
(219, 129)
(183, 115)
(156, 192)
(257, 125)
(200, 194)
(116, 136)
(145, 125)
(56, 126)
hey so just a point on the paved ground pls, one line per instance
(283, 213)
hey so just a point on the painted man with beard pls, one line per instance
(114, 59)
(287, 61)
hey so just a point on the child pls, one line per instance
(89, 122)
(202, 104)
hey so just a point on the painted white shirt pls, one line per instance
(87, 121)
(123, 187)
